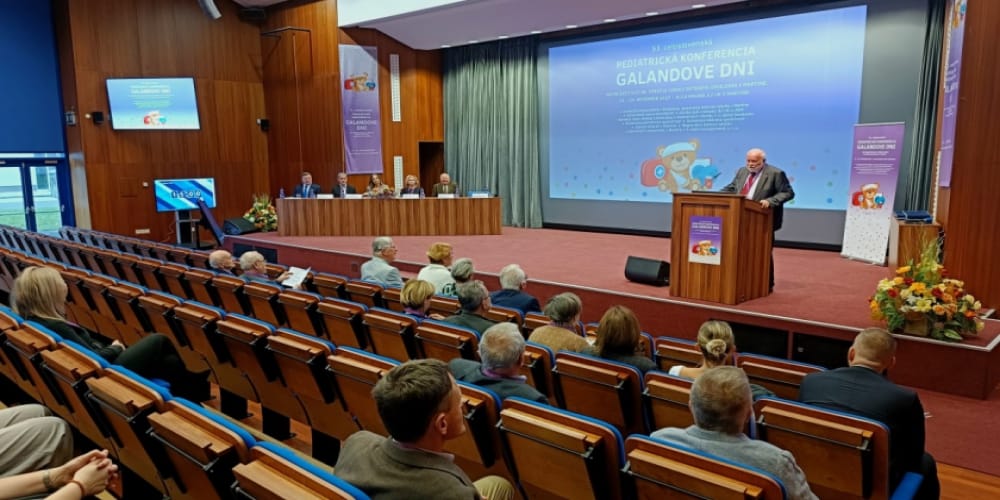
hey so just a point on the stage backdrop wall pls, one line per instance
(892, 39)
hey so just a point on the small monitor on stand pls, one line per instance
(208, 220)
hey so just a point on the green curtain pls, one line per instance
(491, 124)
(915, 186)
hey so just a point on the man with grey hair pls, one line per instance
(501, 349)
(221, 261)
(462, 270)
(475, 302)
(378, 268)
(863, 389)
(721, 404)
(513, 280)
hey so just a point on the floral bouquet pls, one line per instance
(262, 213)
(921, 299)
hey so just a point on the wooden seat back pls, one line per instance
(781, 376)
(444, 341)
(669, 351)
(343, 322)
(355, 373)
(601, 389)
(666, 399)
(391, 333)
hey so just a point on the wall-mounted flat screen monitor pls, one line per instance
(153, 104)
(183, 194)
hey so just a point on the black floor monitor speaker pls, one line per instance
(238, 225)
(648, 271)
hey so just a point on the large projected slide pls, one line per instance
(641, 117)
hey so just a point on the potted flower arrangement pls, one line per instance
(920, 299)
(262, 213)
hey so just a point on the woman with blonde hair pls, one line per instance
(717, 344)
(416, 298)
(618, 337)
(438, 272)
(39, 295)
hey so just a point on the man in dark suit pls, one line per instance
(445, 186)
(421, 407)
(501, 349)
(475, 302)
(863, 389)
(307, 189)
(766, 184)
(342, 187)
(513, 280)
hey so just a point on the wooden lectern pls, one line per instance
(744, 262)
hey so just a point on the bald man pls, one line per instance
(863, 389)
(766, 184)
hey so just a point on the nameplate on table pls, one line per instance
(446, 195)
(410, 196)
(479, 194)
(353, 196)
(324, 196)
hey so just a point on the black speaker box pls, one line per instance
(237, 226)
(648, 271)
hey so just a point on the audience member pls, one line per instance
(501, 349)
(463, 271)
(378, 189)
(341, 189)
(306, 189)
(513, 280)
(411, 187)
(721, 406)
(618, 337)
(222, 262)
(255, 268)
(437, 272)
(560, 335)
(717, 345)
(421, 407)
(445, 186)
(863, 389)
(378, 269)
(416, 298)
(82, 477)
(39, 294)
(475, 302)
(32, 439)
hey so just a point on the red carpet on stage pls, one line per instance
(816, 288)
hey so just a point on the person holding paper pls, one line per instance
(342, 188)
(766, 184)
(411, 187)
(307, 189)
(445, 186)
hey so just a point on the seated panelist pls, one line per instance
(445, 186)
(306, 189)
(342, 188)
(411, 187)
(378, 189)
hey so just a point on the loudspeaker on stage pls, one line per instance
(238, 225)
(647, 271)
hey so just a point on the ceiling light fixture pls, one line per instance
(652, 13)
(570, 26)
(502, 37)
(536, 32)
(698, 6)
(610, 20)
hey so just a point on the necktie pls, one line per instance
(748, 184)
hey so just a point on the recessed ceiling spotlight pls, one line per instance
(570, 26)
(652, 13)
(446, 46)
(698, 6)
(502, 37)
(610, 20)
(536, 32)
(473, 41)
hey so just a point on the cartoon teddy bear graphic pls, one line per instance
(671, 171)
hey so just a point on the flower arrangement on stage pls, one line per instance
(922, 300)
(262, 213)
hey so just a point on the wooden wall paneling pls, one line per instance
(973, 234)
(430, 95)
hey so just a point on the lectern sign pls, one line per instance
(705, 240)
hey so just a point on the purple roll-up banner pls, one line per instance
(953, 41)
(874, 171)
(362, 119)
(705, 240)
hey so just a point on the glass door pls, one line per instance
(31, 195)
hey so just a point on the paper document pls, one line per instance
(296, 275)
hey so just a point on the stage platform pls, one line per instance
(819, 303)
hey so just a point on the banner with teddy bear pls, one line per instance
(362, 118)
(874, 171)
